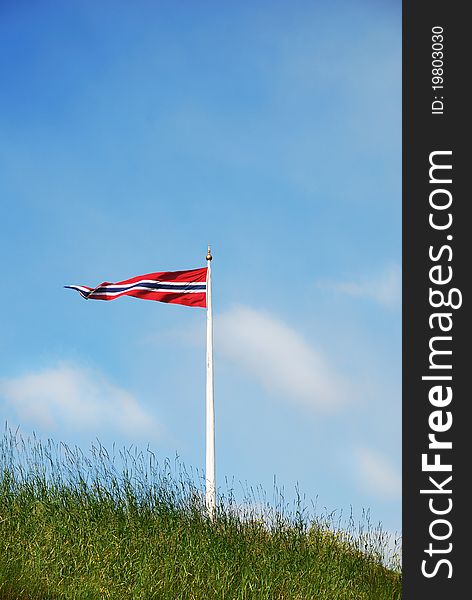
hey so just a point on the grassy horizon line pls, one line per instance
(78, 526)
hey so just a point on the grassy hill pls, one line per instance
(77, 527)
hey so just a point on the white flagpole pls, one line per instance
(210, 496)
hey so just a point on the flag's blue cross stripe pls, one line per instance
(157, 287)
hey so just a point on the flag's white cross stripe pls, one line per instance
(181, 287)
(153, 281)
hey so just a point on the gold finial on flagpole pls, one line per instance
(209, 256)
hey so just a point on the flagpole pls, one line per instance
(210, 495)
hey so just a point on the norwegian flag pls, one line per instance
(175, 287)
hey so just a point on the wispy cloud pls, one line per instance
(384, 289)
(377, 474)
(278, 357)
(75, 398)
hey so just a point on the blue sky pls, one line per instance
(134, 133)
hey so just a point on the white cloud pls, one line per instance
(377, 474)
(278, 357)
(73, 397)
(385, 289)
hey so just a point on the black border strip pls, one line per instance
(425, 131)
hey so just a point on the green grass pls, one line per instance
(78, 527)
